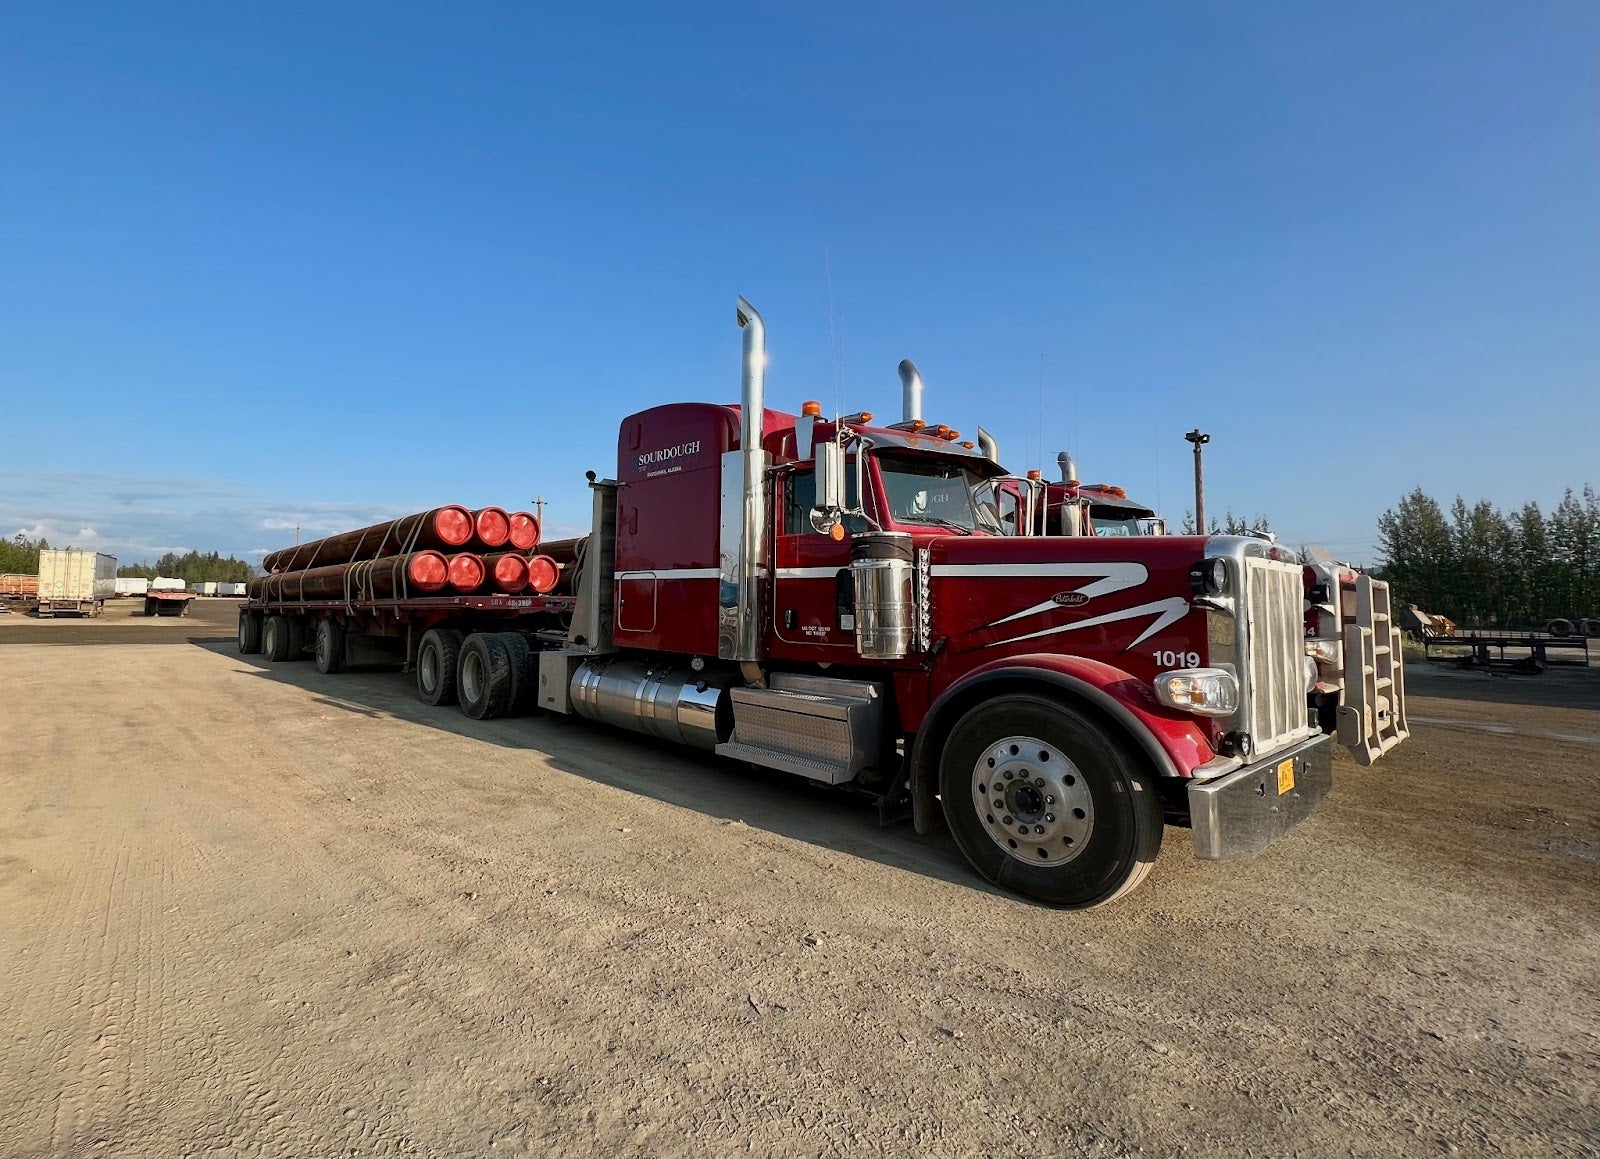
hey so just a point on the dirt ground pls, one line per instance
(250, 909)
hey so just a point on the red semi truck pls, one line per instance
(829, 598)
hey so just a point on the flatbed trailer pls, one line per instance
(167, 603)
(1539, 646)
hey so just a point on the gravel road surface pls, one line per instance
(249, 909)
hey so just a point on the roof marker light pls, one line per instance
(812, 408)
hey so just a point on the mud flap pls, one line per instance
(1372, 715)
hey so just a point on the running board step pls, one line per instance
(823, 729)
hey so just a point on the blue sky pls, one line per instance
(318, 263)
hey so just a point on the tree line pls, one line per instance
(21, 555)
(1483, 566)
(193, 568)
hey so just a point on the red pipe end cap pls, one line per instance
(543, 574)
(453, 525)
(494, 526)
(511, 573)
(428, 570)
(524, 531)
(466, 572)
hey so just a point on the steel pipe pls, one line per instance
(440, 529)
(392, 577)
(524, 530)
(544, 574)
(492, 525)
(466, 571)
(508, 570)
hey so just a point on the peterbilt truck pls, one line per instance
(826, 597)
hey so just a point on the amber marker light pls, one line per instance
(812, 408)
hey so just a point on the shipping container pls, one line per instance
(231, 589)
(205, 588)
(75, 581)
(132, 586)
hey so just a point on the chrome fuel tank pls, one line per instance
(662, 699)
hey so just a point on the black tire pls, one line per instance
(1116, 845)
(297, 638)
(330, 647)
(483, 677)
(149, 607)
(524, 673)
(249, 633)
(438, 656)
(275, 638)
(1560, 629)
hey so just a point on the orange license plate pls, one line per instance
(1285, 776)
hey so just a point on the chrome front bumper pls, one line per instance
(1242, 813)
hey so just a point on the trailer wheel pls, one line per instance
(438, 656)
(249, 633)
(297, 638)
(1043, 802)
(149, 607)
(524, 672)
(483, 678)
(275, 638)
(1560, 629)
(330, 647)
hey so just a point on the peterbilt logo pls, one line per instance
(1069, 599)
(667, 454)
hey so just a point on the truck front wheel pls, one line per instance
(1042, 801)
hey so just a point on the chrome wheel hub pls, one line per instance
(472, 676)
(1032, 801)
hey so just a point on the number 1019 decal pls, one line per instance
(1177, 659)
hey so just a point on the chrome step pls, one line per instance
(824, 729)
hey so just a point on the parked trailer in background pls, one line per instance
(167, 597)
(19, 588)
(205, 588)
(79, 582)
(132, 585)
(225, 588)
(829, 599)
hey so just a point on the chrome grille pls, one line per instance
(1273, 683)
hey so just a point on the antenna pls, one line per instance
(1040, 461)
(835, 351)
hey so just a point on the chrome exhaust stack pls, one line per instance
(744, 507)
(1069, 469)
(988, 446)
(910, 391)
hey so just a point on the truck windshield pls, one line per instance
(1118, 523)
(936, 492)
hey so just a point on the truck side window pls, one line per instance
(802, 496)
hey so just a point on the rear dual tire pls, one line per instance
(438, 657)
(249, 633)
(282, 639)
(485, 678)
(330, 647)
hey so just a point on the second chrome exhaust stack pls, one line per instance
(910, 391)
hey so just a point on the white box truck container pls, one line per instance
(206, 588)
(224, 588)
(75, 581)
(132, 586)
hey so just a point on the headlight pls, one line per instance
(1205, 691)
(1209, 577)
(1323, 651)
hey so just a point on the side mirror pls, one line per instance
(829, 511)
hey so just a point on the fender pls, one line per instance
(1173, 744)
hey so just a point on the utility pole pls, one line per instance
(538, 509)
(297, 535)
(1199, 438)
